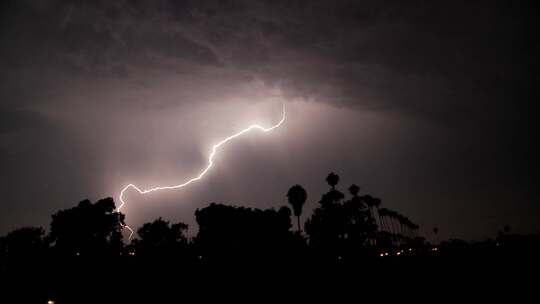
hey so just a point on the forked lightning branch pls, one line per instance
(215, 149)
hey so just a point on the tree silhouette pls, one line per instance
(370, 203)
(228, 232)
(85, 242)
(297, 197)
(339, 227)
(392, 222)
(88, 228)
(23, 242)
(332, 179)
(160, 237)
(354, 189)
(23, 258)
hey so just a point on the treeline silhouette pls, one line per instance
(339, 228)
(344, 230)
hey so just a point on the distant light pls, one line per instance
(410, 249)
(132, 253)
(50, 302)
(399, 253)
(382, 254)
(386, 254)
(77, 254)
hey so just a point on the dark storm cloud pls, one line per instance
(463, 71)
(425, 58)
(91, 37)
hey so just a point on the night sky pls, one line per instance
(430, 106)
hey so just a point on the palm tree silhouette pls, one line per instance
(353, 189)
(297, 196)
(332, 179)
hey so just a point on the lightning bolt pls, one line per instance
(213, 153)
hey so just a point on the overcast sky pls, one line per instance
(428, 106)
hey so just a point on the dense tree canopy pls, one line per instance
(88, 228)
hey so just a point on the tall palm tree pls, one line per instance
(297, 197)
(332, 179)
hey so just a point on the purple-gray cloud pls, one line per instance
(427, 105)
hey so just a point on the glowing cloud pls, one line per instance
(215, 148)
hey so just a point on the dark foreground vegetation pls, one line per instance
(350, 239)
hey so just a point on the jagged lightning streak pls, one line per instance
(215, 148)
